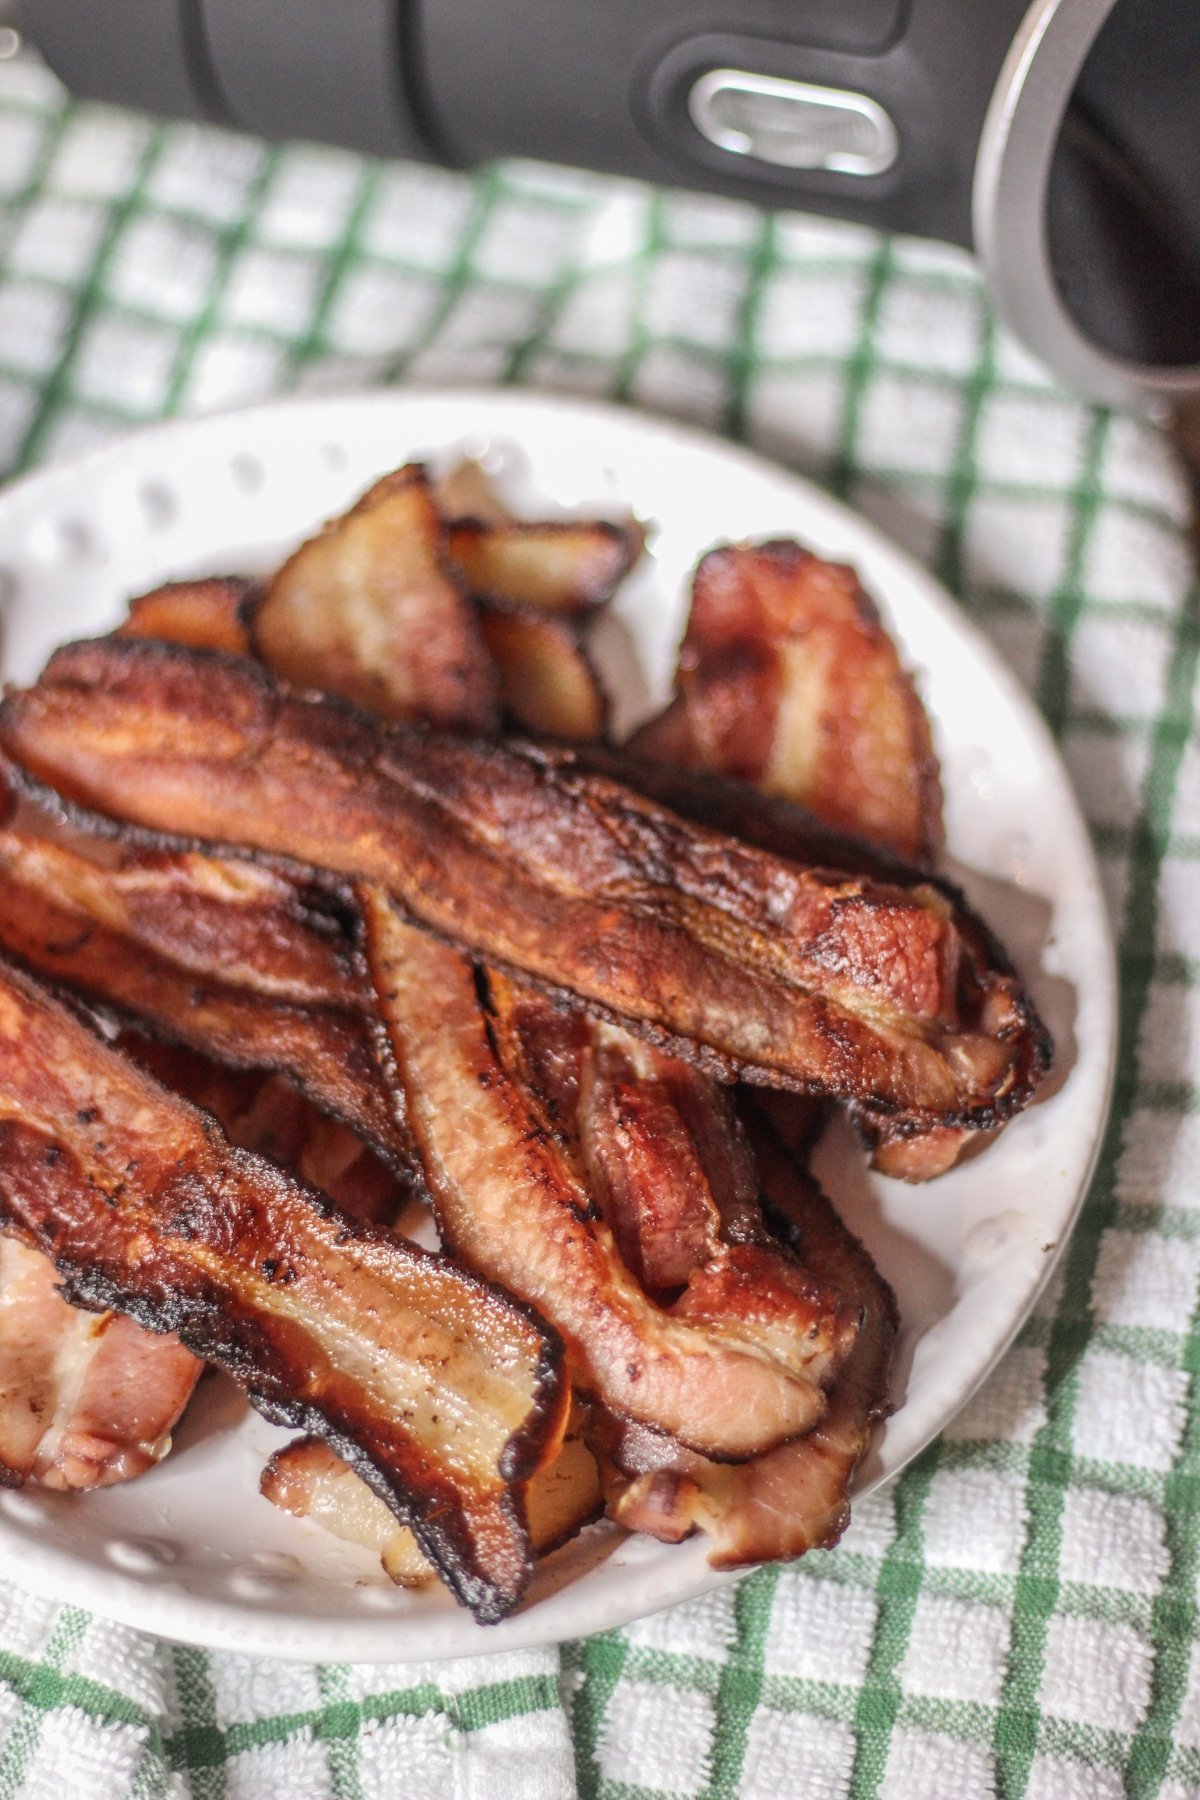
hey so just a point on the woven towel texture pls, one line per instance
(1018, 1615)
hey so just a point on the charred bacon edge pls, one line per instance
(201, 1319)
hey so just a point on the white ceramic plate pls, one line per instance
(191, 1551)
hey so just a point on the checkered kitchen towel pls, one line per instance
(1018, 1615)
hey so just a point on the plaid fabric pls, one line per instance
(1018, 1614)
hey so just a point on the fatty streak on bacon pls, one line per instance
(561, 567)
(790, 976)
(436, 1388)
(86, 1400)
(547, 682)
(506, 1200)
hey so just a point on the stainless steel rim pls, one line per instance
(1012, 174)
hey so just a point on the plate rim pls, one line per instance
(220, 1623)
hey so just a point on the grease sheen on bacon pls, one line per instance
(441, 1392)
(903, 1144)
(659, 1146)
(790, 976)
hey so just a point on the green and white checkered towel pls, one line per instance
(1018, 1615)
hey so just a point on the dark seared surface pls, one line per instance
(268, 1114)
(440, 1391)
(788, 975)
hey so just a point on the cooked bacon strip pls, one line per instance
(659, 1146)
(207, 615)
(795, 1498)
(309, 1481)
(547, 682)
(217, 917)
(564, 566)
(438, 1389)
(790, 976)
(902, 1144)
(787, 679)
(170, 942)
(672, 1169)
(371, 609)
(85, 1400)
(507, 1200)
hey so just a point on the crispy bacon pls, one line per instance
(507, 1200)
(371, 608)
(661, 1151)
(213, 953)
(309, 1481)
(85, 1400)
(547, 682)
(207, 615)
(569, 567)
(439, 1390)
(787, 679)
(787, 975)
(215, 917)
(795, 1498)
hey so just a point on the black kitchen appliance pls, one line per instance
(1060, 141)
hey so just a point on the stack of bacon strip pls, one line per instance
(405, 965)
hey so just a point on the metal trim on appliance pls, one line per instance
(834, 100)
(1012, 174)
